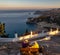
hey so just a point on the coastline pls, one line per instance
(16, 22)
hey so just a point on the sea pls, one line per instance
(15, 21)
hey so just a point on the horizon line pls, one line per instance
(30, 9)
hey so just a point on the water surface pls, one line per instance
(16, 22)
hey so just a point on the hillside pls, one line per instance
(49, 16)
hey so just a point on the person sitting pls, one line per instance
(25, 43)
(34, 48)
(34, 45)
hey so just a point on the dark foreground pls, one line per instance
(52, 47)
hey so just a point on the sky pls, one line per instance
(29, 4)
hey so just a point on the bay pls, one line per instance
(16, 22)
